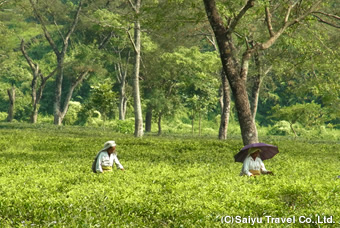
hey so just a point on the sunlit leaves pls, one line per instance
(106, 18)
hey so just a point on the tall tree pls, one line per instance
(59, 111)
(136, 91)
(37, 75)
(235, 66)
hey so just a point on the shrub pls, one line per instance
(3, 116)
(124, 126)
(72, 113)
(281, 128)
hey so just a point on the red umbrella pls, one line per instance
(267, 151)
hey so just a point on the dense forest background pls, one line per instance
(155, 65)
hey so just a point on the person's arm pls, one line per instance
(263, 168)
(245, 168)
(98, 164)
(115, 159)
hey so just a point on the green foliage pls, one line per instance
(281, 128)
(71, 116)
(190, 73)
(124, 126)
(109, 19)
(308, 114)
(46, 180)
(3, 116)
(102, 99)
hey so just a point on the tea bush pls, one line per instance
(170, 181)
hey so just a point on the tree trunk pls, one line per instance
(122, 100)
(148, 119)
(36, 72)
(122, 107)
(11, 96)
(121, 78)
(225, 107)
(136, 92)
(160, 124)
(60, 54)
(236, 77)
(69, 94)
(192, 123)
(199, 123)
(292, 128)
(34, 114)
(57, 93)
(245, 117)
(236, 74)
(254, 98)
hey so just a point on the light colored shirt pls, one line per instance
(104, 159)
(250, 164)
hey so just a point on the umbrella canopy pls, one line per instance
(267, 151)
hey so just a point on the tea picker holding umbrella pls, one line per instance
(252, 157)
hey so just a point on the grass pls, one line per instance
(170, 181)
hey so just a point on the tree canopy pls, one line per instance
(87, 52)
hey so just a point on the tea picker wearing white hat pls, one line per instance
(105, 158)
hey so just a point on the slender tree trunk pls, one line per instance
(69, 94)
(225, 107)
(199, 123)
(11, 96)
(192, 123)
(254, 98)
(122, 107)
(160, 124)
(148, 119)
(122, 100)
(292, 128)
(121, 78)
(57, 93)
(136, 91)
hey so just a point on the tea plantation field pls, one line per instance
(172, 181)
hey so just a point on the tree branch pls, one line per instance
(47, 34)
(288, 12)
(287, 24)
(50, 75)
(212, 41)
(3, 2)
(269, 22)
(326, 22)
(106, 40)
(133, 6)
(32, 65)
(233, 24)
(70, 92)
(56, 25)
(75, 21)
(327, 14)
(132, 42)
